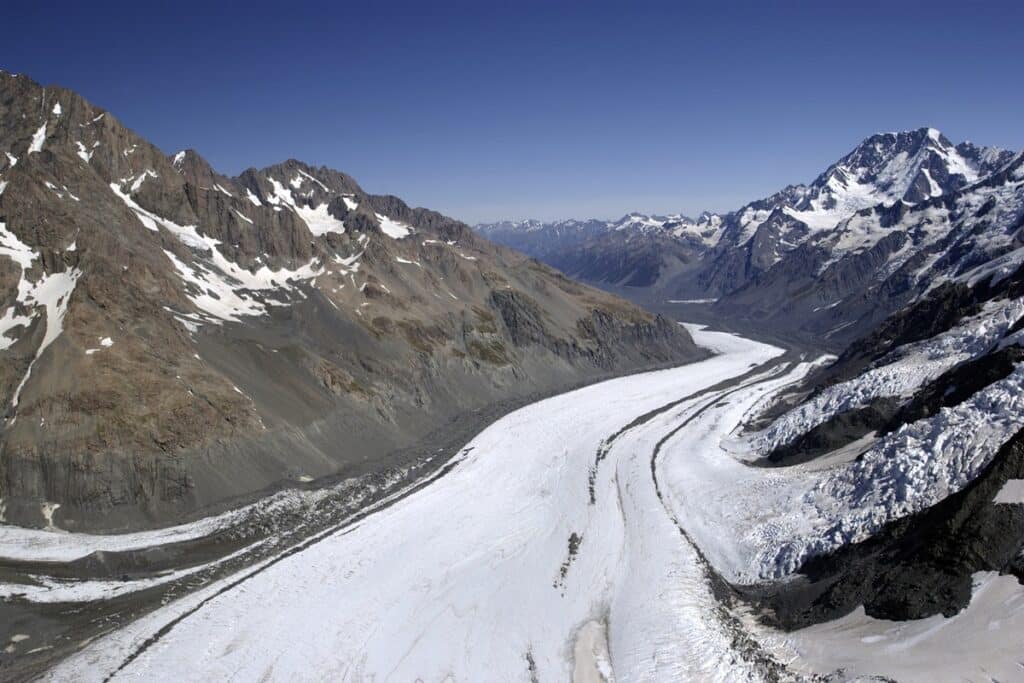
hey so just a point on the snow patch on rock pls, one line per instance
(37, 140)
(392, 228)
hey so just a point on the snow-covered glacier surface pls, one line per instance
(756, 524)
(477, 576)
(574, 539)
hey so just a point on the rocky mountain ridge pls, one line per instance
(846, 241)
(174, 339)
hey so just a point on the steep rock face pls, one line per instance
(173, 339)
(778, 235)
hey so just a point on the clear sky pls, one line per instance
(488, 110)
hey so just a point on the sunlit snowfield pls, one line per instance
(575, 539)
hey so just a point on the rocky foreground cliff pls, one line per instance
(174, 340)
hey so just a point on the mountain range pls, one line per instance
(906, 257)
(174, 340)
(291, 376)
(826, 261)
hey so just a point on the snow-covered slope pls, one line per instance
(900, 374)
(838, 283)
(904, 168)
(910, 166)
(887, 465)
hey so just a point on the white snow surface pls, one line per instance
(38, 138)
(83, 152)
(981, 643)
(471, 575)
(845, 211)
(23, 255)
(851, 186)
(320, 222)
(976, 227)
(316, 218)
(51, 293)
(14, 249)
(462, 579)
(908, 470)
(392, 228)
(48, 589)
(1012, 492)
(137, 183)
(39, 545)
(762, 523)
(225, 291)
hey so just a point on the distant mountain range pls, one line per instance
(884, 224)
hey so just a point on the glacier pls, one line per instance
(578, 538)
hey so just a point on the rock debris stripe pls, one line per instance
(722, 589)
(778, 365)
(342, 528)
(762, 373)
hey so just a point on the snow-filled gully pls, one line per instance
(554, 547)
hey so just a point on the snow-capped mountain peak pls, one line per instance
(888, 167)
(675, 224)
(908, 168)
(889, 211)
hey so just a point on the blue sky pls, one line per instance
(488, 110)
